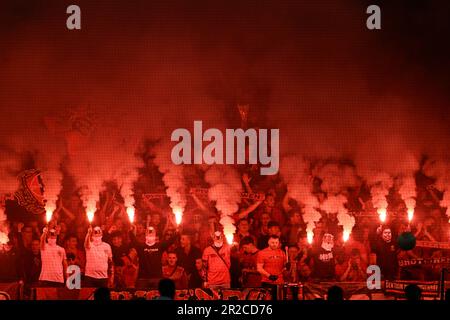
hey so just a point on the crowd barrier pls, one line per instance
(130, 294)
(390, 290)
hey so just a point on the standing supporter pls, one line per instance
(304, 249)
(323, 260)
(270, 264)
(217, 263)
(353, 269)
(269, 207)
(53, 257)
(273, 230)
(292, 266)
(150, 255)
(174, 272)
(251, 278)
(197, 278)
(187, 254)
(31, 264)
(385, 253)
(99, 270)
(292, 229)
(74, 254)
(243, 227)
(130, 269)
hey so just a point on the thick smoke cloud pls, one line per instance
(225, 190)
(137, 70)
(9, 168)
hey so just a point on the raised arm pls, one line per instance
(285, 203)
(246, 179)
(87, 240)
(43, 237)
(199, 203)
(244, 213)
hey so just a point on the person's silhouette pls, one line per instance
(166, 288)
(335, 293)
(102, 294)
(413, 292)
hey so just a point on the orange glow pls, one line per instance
(310, 236)
(178, 215)
(382, 212)
(90, 215)
(3, 238)
(410, 214)
(229, 237)
(131, 213)
(346, 235)
(48, 215)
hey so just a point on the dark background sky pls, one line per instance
(238, 47)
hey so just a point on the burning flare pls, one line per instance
(3, 238)
(229, 237)
(178, 215)
(90, 215)
(310, 236)
(410, 214)
(131, 213)
(346, 235)
(382, 213)
(48, 214)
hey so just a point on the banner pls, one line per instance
(352, 290)
(421, 261)
(131, 294)
(253, 196)
(30, 194)
(397, 288)
(433, 244)
(309, 291)
(47, 293)
(198, 294)
(150, 196)
(203, 192)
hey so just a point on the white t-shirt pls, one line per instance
(97, 260)
(52, 263)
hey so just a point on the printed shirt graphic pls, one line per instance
(52, 258)
(273, 262)
(97, 260)
(324, 264)
(218, 272)
(386, 254)
(149, 261)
